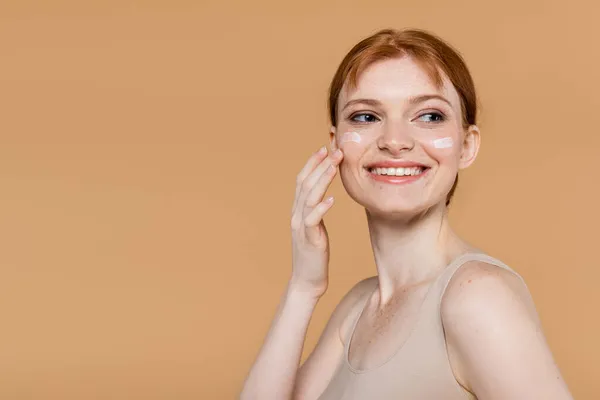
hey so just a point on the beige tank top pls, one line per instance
(419, 369)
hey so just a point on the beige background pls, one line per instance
(148, 157)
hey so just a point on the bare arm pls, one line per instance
(273, 374)
(494, 333)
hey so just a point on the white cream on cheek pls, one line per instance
(443, 143)
(350, 137)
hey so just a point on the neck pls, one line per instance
(412, 251)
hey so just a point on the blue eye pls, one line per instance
(368, 118)
(433, 117)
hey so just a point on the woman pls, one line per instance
(441, 320)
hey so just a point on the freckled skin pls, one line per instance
(385, 328)
(398, 129)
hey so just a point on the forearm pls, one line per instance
(274, 372)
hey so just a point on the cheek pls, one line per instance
(350, 137)
(444, 149)
(353, 142)
(355, 137)
(443, 143)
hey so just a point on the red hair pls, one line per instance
(433, 54)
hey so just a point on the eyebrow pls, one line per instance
(411, 100)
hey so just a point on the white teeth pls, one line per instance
(397, 171)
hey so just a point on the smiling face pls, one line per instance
(397, 118)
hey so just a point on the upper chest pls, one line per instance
(378, 331)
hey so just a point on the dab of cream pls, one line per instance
(443, 143)
(350, 137)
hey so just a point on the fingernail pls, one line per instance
(338, 153)
(322, 150)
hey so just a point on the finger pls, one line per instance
(312, 179)
(320, 187)
(313, 220)
(299, 210)
(313, 161)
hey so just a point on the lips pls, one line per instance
(397, 175)
(395, 164)
(396, 171)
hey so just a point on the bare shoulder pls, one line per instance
(480, 295)
(494, 336)
(357, 292)
(478, 285)
(364, 286)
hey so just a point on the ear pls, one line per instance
(470, 147)
(332, 140)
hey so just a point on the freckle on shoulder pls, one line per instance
(477, 283)
(477, 277)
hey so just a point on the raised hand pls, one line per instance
(310, 241)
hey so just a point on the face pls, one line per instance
(403, 139)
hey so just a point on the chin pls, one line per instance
(397, 202)
(397, 208)
(397, 212)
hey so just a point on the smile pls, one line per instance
(397, 171)
(397, 175)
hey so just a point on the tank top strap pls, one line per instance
(433, 298)
(461, 260)
(362, 304)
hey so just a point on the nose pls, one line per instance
(395, 137)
